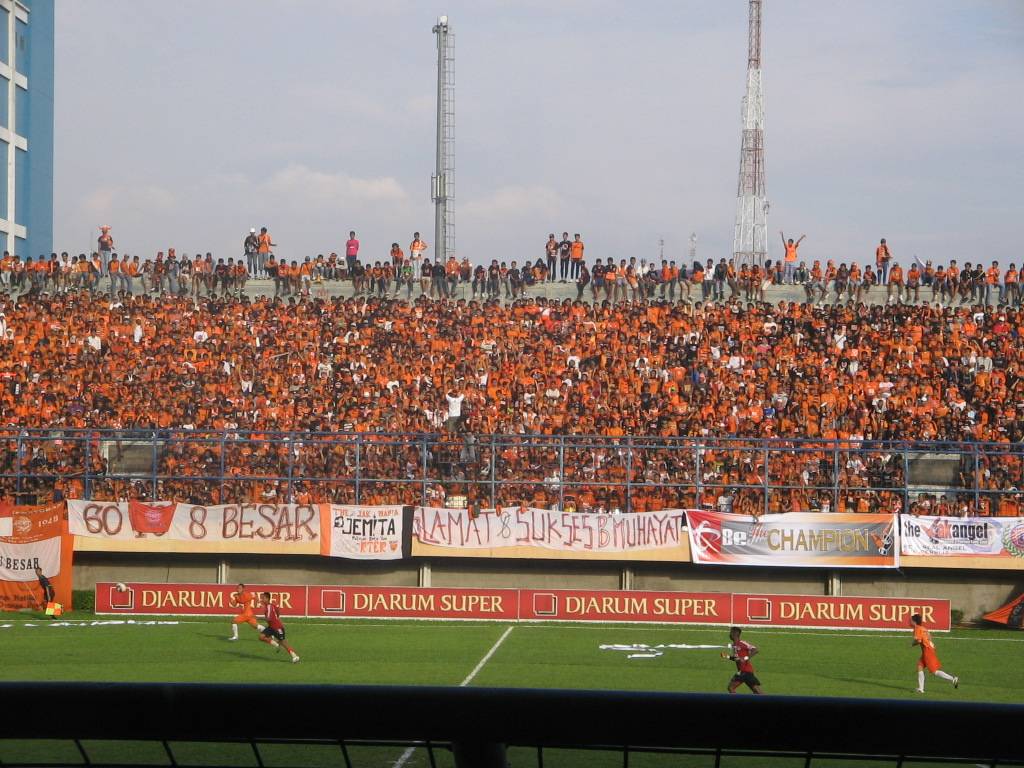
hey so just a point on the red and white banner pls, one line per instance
(794, 539)
(839, 612)
(177, 527)
(957, 536)
(361, 533)
(38, 539)
(413, 603)
(547, 529)
(627, 606)
(190, 599)
(607, 606)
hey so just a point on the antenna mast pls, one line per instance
(750, 243)
(442, 183)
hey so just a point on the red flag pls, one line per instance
(150, 518)
(1011, 614)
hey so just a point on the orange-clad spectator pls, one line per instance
(576, 255)
(792, 254)
(883, 257)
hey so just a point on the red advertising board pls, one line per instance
(190, 599)
(607, 605)
(839, 612)
(719, 608)
(413, 603)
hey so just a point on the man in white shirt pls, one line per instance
(454, 411)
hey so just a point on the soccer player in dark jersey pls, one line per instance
(274, 632)
(741, 653)
(45, 585)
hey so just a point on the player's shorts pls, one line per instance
(276, 634)
(747, 678)
(245, 618)
(929, 661)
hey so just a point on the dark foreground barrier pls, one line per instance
(477, 724)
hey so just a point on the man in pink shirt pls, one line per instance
(351, 252)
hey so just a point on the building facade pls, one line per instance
(26, 126)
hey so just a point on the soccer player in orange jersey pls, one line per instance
(246, 615)
(928, 658)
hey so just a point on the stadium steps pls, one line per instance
(135, 458)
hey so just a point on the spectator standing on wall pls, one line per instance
(105, 245)
(551, 253)
(576, 254)
(882, 258)
(351, 252)
(791, 256)
(417, 250)
(263, 245)
(250, 246)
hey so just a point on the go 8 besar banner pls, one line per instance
(794, 540)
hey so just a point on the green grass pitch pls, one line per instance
(794, 662)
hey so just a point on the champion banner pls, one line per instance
(529, 532)
(794, 539)
(38, 539)
(133, 526)
(361, 533)
(980, 536)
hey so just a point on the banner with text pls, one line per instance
(191, 599)
(794, 540)
(628, 606)
(543, 533)
(609, 606)
(958, 536)
(133, 526)
(361, 533)
(38, 538)
(839, 612)
(413, 603)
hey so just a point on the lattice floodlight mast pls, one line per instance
(443, 180)
(750, 243)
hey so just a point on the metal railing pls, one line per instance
(480, 726)
(628, 473)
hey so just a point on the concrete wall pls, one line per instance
(691, 578)
(973, 592)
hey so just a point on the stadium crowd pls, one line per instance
(320, 386)
(411, 272)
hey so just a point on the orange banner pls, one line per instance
(39, 539)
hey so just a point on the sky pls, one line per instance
(184, 124)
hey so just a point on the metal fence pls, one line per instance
(174, 724)
(574, 472)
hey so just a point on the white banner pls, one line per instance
(18, 561)
(984, 536)
(366, 533)
(268, 526)
(546, 529)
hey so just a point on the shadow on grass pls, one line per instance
(872, 683)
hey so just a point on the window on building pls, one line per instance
(5, 20)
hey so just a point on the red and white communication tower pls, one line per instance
(750, 243)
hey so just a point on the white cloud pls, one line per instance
(305, 187)
(515, 201)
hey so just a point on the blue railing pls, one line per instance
(572, 471)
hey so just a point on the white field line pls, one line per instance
(487, 657)
(404, 758)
